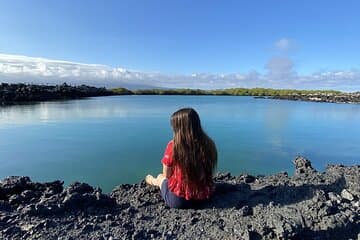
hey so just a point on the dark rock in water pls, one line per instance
(308, 205)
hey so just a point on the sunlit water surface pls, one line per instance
(106, 141)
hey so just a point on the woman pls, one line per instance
(189, 163)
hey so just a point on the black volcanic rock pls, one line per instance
(303, 166)
(308, 205)
(14, 185)
(80, 188)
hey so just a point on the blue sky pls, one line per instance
(181, 38)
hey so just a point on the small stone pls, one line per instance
(245, 211)
(98, 195)
(320, 196)
(345, 194)
(87, 228)
(247, 178)
(194, 220)
(334, 197)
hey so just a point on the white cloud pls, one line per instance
(280, 74)
(280, 68)
(283, 44)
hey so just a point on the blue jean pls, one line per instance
(175, 201)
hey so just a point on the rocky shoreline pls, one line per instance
(329, 98)
(21, 93)
(307, 205)
(29, 93)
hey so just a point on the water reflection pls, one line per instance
(46, 112)
(110, 140)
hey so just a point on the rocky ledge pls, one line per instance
(322, 97)
(307, 205)
(28, 93)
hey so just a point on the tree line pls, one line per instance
(223, 92)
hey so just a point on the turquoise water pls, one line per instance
(106, 141)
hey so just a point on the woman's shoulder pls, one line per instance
(169, 146)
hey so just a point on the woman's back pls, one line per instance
(199, 189)
(189, 162)
(194, 153)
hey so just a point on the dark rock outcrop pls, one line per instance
(303, 166)
(308, 205)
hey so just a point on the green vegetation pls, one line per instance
(171, 92)
(121, 91)
(224, 92)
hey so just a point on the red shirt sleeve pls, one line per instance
(168, 155)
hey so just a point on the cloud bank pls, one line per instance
(280, 73)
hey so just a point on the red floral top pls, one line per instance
(175, 180)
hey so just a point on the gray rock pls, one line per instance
(245, 211)
(334, 197)
(345, 194)
(303, 166)
(308, 205)
(79, 188)
(14, 185)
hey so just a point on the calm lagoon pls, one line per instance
(106, 141)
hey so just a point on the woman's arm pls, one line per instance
(167, 171)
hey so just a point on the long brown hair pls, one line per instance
(194, 152)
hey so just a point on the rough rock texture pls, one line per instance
(308, 205)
